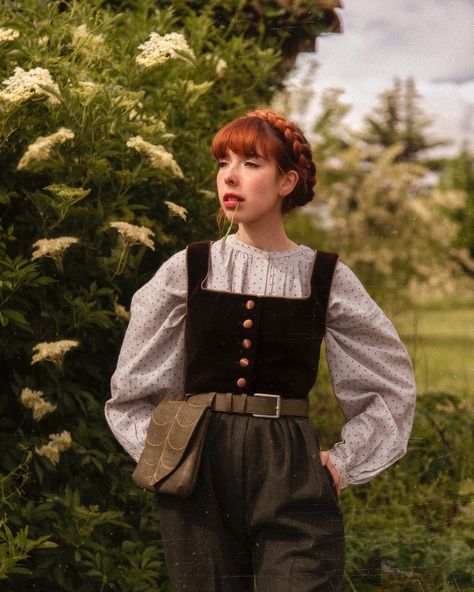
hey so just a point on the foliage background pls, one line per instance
(81, 524)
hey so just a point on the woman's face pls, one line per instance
(250, 186)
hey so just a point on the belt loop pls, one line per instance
(228, 402)
(240, 402)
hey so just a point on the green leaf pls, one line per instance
(17, 317)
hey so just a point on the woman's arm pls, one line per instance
(150, 365)
(373, 381)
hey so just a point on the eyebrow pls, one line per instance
(249, 155)
(253, 155)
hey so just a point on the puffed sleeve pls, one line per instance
(150, 365)
(372, 378)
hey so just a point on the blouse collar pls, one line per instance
(237, 245)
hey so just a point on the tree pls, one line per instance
(399, 118)
(375, 209)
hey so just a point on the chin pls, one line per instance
(230, 213)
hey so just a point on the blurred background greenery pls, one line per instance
(105, 171)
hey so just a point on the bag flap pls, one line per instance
(171, 428)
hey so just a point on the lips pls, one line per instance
(232, 199)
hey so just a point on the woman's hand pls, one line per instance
(335, 475)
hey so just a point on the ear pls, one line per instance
(288, 182)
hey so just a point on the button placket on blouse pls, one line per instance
(248, 324)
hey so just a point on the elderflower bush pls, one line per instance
(105, 170)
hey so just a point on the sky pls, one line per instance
(431, 41)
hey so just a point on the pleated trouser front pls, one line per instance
(264, 511)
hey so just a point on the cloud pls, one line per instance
(431, 42)
(428, 39)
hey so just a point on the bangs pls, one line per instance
(247, 136)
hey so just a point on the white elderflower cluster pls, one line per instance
(161, 48)
(221, 67)
(84, 39)
(159, 157)
(57, 443)
(177, 210)
(34, 400)
(7, 35)
(42, 147)
(53, 351)
(24, 84)
(52, 247)
(134, 235)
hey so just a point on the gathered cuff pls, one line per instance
(340, 467)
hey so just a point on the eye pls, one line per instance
(251, 164)
(221, 164)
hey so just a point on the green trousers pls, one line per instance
(265, 512)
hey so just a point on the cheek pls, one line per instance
(264, 184)
(218, 179)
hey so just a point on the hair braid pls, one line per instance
(300, 150)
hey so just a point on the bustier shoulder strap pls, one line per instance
(321, 279)
(197, 262)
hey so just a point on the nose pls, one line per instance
(230, 176)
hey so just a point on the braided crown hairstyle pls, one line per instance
(271, 135)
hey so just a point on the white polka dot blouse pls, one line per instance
(370, 369)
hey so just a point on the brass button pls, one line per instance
(241, 382)
(244, 362)
(247, 343)
(248, 323)
(249, 304)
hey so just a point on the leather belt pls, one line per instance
(259, 405)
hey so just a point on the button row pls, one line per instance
(246, 343)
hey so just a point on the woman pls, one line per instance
(246, 315)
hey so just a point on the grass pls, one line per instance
(441, 345)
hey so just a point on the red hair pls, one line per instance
(268, 134)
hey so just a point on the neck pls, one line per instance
(270, 239)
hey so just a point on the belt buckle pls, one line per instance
(277, 408)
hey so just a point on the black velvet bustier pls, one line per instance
(250, 344)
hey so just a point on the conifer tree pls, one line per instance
(398, 117)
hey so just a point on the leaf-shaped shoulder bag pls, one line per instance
(172, 455)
